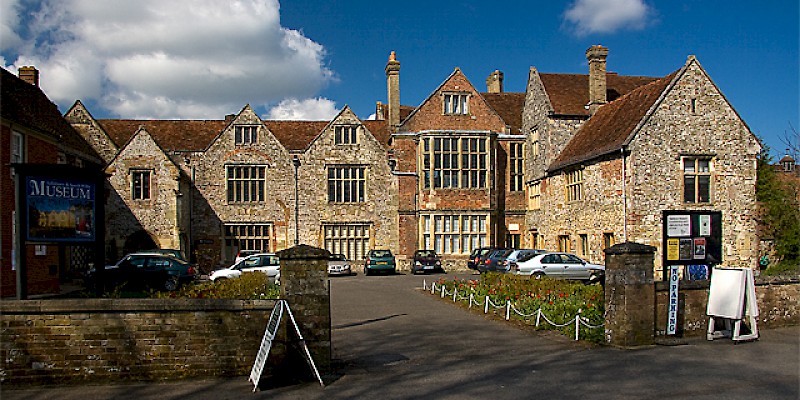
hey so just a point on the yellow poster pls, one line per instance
(673, 246)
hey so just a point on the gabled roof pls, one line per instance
(171, 135)
(26, 104)
(295, 135)
(611, 126)
(509, 106)
(569, 93)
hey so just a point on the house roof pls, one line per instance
(186, 135)
(509, 106)
(295, 135)
(608, 129)
(569, 93)
(26, 104)
(197, 135)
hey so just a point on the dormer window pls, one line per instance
(246, 134)
(456, 103)
(345, 134)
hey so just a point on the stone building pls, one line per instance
(576, 162)
(603, 167)
(32, 131)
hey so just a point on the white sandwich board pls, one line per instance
(732, 297)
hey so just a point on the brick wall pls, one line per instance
(103, 340)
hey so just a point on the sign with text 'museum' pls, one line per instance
(60, 210)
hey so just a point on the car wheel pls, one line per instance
(366, 270)
(171, 283)
(537, 275)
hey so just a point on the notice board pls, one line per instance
(691, 238)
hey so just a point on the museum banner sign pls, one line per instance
(60, 209)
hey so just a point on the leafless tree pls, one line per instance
(791, 139)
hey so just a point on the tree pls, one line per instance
(780, 214)
(791, 139)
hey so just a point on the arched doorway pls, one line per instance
(138, 241)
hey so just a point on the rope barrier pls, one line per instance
(577, 320)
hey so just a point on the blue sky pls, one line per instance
(306, 59)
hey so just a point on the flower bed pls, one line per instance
(562, 304)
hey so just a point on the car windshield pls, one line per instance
(381, 253)
(338, 257)
(426, 253)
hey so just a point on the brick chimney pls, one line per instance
(494, 83)
(29, 74)
(597, 76)
(393, 90)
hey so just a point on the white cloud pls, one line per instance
(606, 16)
(9, 23)
(165, 59)
(316, 109)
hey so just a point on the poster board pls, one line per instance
(691, 237)
(726, 295)
(732, 297)
(273, 324)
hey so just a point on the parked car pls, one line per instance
(380, 260)
(494, 260)
(138, 270)
(339, 265)
(267, 263)
(168, 252)
(242, 254)
(477, 255)
(520, 255)
(426, 261)
(561, 265)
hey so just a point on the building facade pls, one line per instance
(575, 163)
(32, 131)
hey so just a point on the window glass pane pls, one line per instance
(703, 189)
(688, 189)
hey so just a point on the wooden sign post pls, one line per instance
(732, 297)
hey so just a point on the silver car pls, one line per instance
(560, 265)
(267, 263)
(339, 265)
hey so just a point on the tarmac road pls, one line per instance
(391, 341)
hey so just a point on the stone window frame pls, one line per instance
(583, 245)
(564, 244)
(347, 183)
(141, 183)
(573, 185)
(608, 240)
(353, 239)
(463, 163)
(455, 103)
(535, 142)
(454, 233)
(245, 187)
(346, 134)
(697, 174)
(245, 135)
(516, 166)
(535, 195)
(258, 236)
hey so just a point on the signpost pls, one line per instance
(266, 343)
(672, 320)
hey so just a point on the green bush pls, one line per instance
(559, 300)
(249, 286)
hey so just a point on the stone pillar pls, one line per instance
(304, 285)
(494, 83)
(630, 295)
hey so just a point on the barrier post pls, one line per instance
(538, 316)
(508, 310)
(470, 300)
(577, 326)
(486, 306)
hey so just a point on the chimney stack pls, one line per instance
(597, 76)
(393, 90)
(29, 74)
(494, 83)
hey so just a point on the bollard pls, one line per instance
(508, 310)
(486, 306)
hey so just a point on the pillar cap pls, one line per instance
(630, 248)
(304, 252)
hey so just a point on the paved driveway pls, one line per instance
(393, 342)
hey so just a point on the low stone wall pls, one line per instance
(102, 340)
(778, 304)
